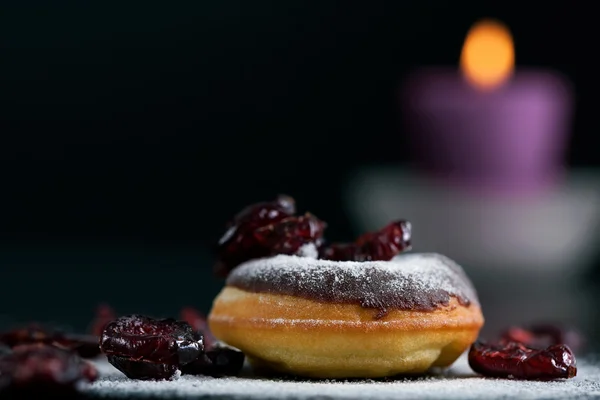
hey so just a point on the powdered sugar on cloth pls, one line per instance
(459, 382)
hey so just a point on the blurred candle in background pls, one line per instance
(503, 205)
(488, 125)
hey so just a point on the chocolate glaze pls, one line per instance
(422, 282)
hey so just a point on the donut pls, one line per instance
(344, 319)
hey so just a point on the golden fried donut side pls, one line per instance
(329, 340)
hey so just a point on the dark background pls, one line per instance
(131, 132)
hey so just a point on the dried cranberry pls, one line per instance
(144, 370)
(515, 360)
(382, 245)
(36, 370)
(198, 322)
(104, 315)
(26, 335)
(290, 234)
(147, 348)
(544, 335)
(262, 213)
(219, 361)
(266, 229)
(86, 346)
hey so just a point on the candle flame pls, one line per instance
(487, 59)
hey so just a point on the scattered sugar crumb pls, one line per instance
(457, 383)
(308, 250)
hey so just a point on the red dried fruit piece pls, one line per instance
(26, 335)
(234, 247)
(199, 324)
(266, 229)
(544, 335)
(265, 212)
(216, 362)
(104, 315)
(381, 245)
(35, 370)
(517, 361)
(147, 348)
(290, 234)
(86, 346)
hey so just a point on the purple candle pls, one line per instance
(488, 126)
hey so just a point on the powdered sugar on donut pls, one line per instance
(410, 281)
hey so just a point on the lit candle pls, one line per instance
(488, 125)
